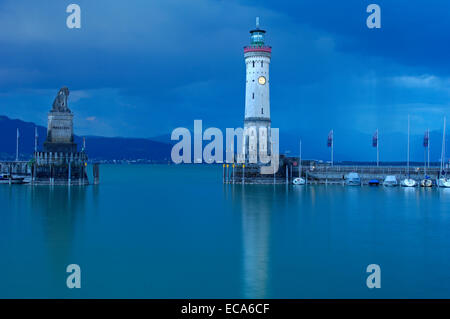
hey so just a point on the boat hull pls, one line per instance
(444, 182)
(299, 181)
(408, 182)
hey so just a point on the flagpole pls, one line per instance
(35, 139)
(332, 146)
(17, 145)
(378, 153)
(300, 161)
(428, 159)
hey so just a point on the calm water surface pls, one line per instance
(158, 231)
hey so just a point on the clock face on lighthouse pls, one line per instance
(262, 80)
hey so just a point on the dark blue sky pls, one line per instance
(141, 68)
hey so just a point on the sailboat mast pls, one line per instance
(428, 149)
(378, 152)
(300, 161)
(425, 155)
(408, 148)
(443, 147)
(17, 145)
(35, 138)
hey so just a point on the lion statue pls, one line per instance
(60, 103)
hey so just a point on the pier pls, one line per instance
(321, 173)
(17, 168)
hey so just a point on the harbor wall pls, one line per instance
(319, 173)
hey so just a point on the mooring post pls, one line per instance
(228, 177)
(10, 174)
(233, 172)
(223, 173)
(274, 174)
(96, 169)
(69, 179)
(287, 172)
(243, 173)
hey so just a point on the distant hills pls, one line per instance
(98, 148)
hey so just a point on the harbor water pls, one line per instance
(167, 231)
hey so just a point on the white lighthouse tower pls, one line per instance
(256, 137)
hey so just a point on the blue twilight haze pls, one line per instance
(142, 68)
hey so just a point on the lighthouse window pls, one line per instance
(262, 111)
(253, 63)
(262, 63)
(253, 95)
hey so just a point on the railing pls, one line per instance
(267, 49)
(384, 170)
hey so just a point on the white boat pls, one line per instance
(426, 182)
(390, 180)
(6, 179)
(352, 179)
(443, 182)
(408, 182)
(299, 181)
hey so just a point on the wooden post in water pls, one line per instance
(69, 177)
(227, 179)
(232, 168)
(223, 173)
(287, 172)
(243, 173)
(96, 170)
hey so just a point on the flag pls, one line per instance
(426, 139)
(375, 139)
(330, 139)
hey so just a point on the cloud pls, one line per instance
(143, 68)
(424, 81)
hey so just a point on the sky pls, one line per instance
(141, 68)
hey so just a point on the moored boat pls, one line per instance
(390, 180)
(374, 182)
(443, 182)
(426, 182)
(299, 181)
(352, 179)
(408, 182)
(6, 179)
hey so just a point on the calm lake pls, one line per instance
(159, 231)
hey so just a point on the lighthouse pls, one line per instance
(256, 136)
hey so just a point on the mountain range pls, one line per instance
(97, 147)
